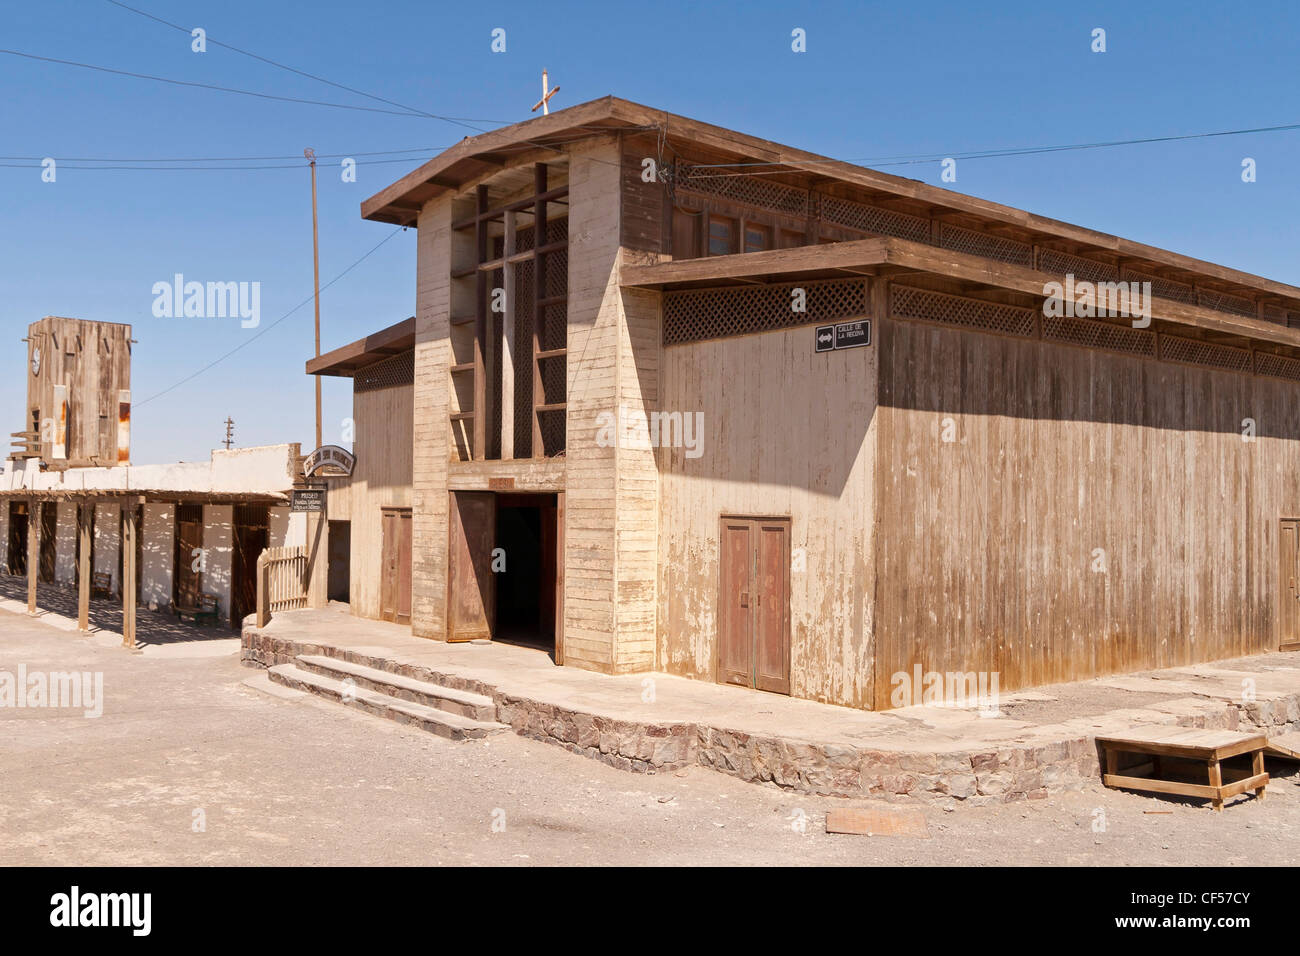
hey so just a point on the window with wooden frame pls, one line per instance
(758, 237)
(722, 235)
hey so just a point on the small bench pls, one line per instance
(208, 608)
(1207, 747)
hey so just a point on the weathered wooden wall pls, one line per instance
(384, 441)
(786, 432)
(1063, 457)
(93, 359)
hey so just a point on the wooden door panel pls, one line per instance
(471, 597)
(735, 644)
(387, 564)
(772, 607)
(189, 539)
(404, 568)
(1288, 590)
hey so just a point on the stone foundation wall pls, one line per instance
(970, 778)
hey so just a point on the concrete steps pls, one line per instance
(454, 714)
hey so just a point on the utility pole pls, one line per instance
(230, 433)
(315, 262)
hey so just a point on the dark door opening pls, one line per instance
(524, 567)
(340, 574)
(250, 540)
(49, 526)
(187, 556)
(16, 559)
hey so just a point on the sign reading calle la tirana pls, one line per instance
(329, 461)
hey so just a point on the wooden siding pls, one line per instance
(785, 432)
(384, 421)
(987, 544)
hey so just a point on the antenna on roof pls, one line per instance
(546, 96)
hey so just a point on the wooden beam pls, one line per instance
(129, 532)
(85, 517)
(539, 293)
(33, 550)
(478, 450)
(509, 345)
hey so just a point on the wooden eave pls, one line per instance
(345, 360)
(144, 494)
(468, 160)
(887, 255)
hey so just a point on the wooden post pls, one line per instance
(84, 513)
(263, 590)
(318, 545)
(479, 450)
(129, 531)
(315, 264)
(509, 344)
(33, 551)
(539, 313)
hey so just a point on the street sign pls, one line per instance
(845, 335)
(311, 499)
(329, 460)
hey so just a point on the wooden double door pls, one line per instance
(395, 568)
(1288, 613)
(754, 603)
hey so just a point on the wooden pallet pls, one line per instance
(1286, 747)
(1209, 747)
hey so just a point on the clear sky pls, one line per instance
(877, 80)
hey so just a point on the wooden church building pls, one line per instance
(676, 398)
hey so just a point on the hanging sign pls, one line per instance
(329, 461)
(309, 499)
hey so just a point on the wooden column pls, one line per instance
(318, 551)
(33, 551)
(129, 532)
(509, 343)
(539, 292)
(479, 451)
(84, 518)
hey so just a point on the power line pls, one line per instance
(996, 152)
(461, 120)
(220, 89)
(182, 169)
(230, 159)
(249, 341)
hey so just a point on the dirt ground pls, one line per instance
(190, 765)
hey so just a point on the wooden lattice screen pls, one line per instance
(698, 314)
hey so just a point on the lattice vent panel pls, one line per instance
(1274, 313)
(1063, 263)
(696, 315)
(752, 190)
(987, 245)
(1223, 302)
(1278, 366)
(391, 372)
(1099, 335)
(909, 303)
(524, 273)
(1174, 348)
(1163, 288)
(883, 222)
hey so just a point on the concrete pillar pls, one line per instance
(277, 527)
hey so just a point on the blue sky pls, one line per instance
(877, 80)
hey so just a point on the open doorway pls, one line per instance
(250, 540)
(17, 556)
(339, 575)
(505, 568)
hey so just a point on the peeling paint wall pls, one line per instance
(277, 533)
(65, 544)
(108, 535)
(218, 522)
(4, 536)
(785, 432)
(158, 554)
